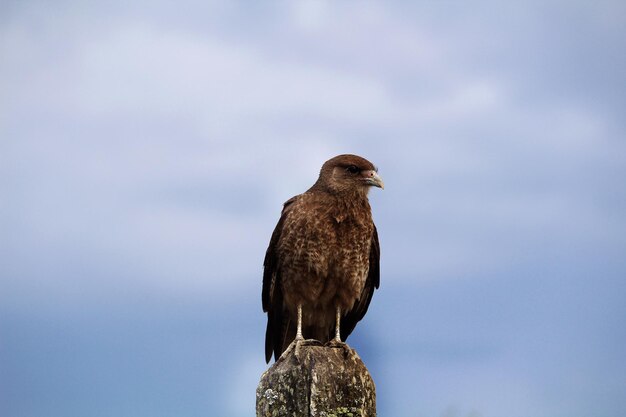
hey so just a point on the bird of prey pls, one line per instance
(322, 264)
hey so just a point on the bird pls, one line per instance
(322, 264)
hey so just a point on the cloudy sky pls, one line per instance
(146, 149)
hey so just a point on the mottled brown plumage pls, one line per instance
(323, 255)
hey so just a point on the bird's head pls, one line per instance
(345, 173)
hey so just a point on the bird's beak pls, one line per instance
(372, 178)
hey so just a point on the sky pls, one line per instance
(146, 149)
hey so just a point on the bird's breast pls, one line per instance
(325, 255)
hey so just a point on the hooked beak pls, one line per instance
(372, 178)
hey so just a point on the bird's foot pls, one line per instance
(311, 342)
(295, 346)
(287, 351)
(297, 341)
(338, 344)
(305, 342)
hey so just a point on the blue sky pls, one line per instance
(146, 149)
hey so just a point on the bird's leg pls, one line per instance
(336, 341)
(299, 326)
(338, 321)
(299, 337)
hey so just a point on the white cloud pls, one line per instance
(231, 106)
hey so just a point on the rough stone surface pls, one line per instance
(319, 382)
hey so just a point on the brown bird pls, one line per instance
(322, 263)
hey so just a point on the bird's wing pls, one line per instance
(372, 282)
(271, 295)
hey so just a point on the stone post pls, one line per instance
(319, 382)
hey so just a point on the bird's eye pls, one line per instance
(352, 169)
